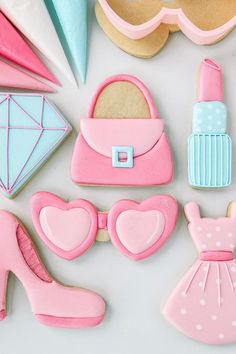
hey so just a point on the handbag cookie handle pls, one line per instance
(112, 102)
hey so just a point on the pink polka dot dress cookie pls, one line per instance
(202, 306)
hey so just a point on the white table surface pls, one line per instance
(134, 291)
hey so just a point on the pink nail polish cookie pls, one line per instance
(136, 229)
(203, 305)
(209, 145)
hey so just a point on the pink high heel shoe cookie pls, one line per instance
(122, 142)
(52, 304)
(136, 229)
(203, 305)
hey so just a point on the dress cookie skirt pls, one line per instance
(203, 305)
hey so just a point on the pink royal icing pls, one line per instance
(99, 136)
(103, 134)
(210, 83)
(12, 77)
(168, 16)
(202, 306)
(14, 48)
(57, 223)
(52, 303)
(137, 230)
(78, 220)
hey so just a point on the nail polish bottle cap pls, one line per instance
(210, 82)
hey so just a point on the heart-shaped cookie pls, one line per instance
(68, 229)
(138, 230)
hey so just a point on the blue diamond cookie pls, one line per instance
(31, 128)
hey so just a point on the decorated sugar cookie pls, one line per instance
(136, 229)
(142, 27)
(52, 304)
(124, 135)
(209, 146)
(203, 305)
(31, 129)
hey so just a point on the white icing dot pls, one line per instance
(199, 110)
(218, 228)
(213, 317)
(209, 106)
(209, 127)
(217, 111)
(202, 302)
(198, 327)
(221, 335)
(218, 281)
(220, 300)
(199, 228)
(234, 323)
(218, 243)
(209, 235)
(231, 245)
(209, 117)
(233, 269)
(183, 312)
(230, 234)
(219, 122)
(199, 120)
(200, 284)
(204, 246)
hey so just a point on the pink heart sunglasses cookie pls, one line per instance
(136, 229)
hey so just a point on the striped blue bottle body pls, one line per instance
(209, 146)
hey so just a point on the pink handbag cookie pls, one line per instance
(53, 304)
(122, 142)
(203, 304)
(70, 228)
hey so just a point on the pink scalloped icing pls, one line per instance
(30, 255)
(168, 16)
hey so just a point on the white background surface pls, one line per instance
(134, 291)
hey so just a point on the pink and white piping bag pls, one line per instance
(32, 19)
(12, 77)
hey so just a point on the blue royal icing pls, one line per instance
(127, 151)
(30, 130)
(210, 117)
(209, 160)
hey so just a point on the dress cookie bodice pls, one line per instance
(213, 234)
